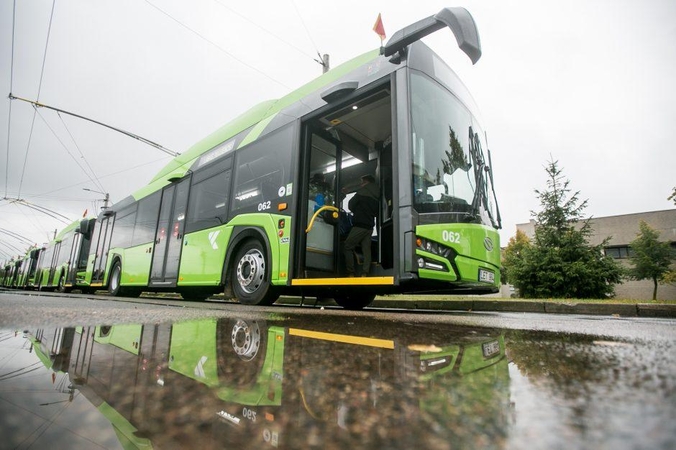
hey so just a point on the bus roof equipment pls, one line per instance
(458, 19)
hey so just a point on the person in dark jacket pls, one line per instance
(364, 206)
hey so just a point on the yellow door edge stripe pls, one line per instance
(343, 338)
(356, 281)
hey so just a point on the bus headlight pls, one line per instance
(434, 248)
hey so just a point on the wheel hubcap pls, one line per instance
(251, 271)
(246, 339)
(115, 279)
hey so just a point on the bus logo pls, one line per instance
(212, 238)
(488, 243)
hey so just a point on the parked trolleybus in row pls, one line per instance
(240, 212)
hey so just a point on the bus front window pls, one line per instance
(450, 171)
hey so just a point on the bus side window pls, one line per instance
(146, 219)
(208, 203)
(262, 169)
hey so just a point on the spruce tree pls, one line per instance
(560, 262)
(650, 257)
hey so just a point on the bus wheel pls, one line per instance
(251, 275)
(114, 288)
(242, 347)
(61, 285)
(355, 302)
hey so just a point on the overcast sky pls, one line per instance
(588, 83)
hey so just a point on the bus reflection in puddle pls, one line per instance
(256, 383)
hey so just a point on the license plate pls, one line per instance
(490, 348)
(486, 276)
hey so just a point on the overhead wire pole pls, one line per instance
(119, 130)
(11, 84)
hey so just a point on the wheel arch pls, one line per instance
(240, 234)
(114, 257)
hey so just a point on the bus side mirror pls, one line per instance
(85, 226)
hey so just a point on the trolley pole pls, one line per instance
(325, 63)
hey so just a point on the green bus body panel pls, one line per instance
(239, 124)
(126, 432)
(202, 260)
(41, 276)
(44, 359)
(257, 130)
(65, 231)
(125, 337)
(193, 351)
(202, 264)
(473, 358)
(468, 239)
(452, 351)
(135, 264)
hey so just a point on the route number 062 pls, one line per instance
(450, 236)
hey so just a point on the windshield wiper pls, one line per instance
(495, 198)
(480, 167)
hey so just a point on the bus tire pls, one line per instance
(61, 285)
(242, 346)
(355, 302)
(251, 275)
(114, 282)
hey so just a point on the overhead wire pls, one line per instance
(244, 63)
(42, 73)
(16, 236)
(103, 176)
(96, 180)
(42, 209)
(66, 148)
(34, 221)
(305, 27)
(12, 247)
(276, 36)
(119, 130)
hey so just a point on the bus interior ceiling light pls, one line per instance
(458, 19)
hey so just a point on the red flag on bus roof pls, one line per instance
(379, 28)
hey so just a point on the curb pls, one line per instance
(541, 307)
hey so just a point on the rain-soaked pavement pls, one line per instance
(285, 380)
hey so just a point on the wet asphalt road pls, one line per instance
(22, 308)
(87, 371)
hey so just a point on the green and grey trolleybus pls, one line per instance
(241, 212)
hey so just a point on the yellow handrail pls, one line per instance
(335, 210)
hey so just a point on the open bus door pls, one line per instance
(340, 146)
